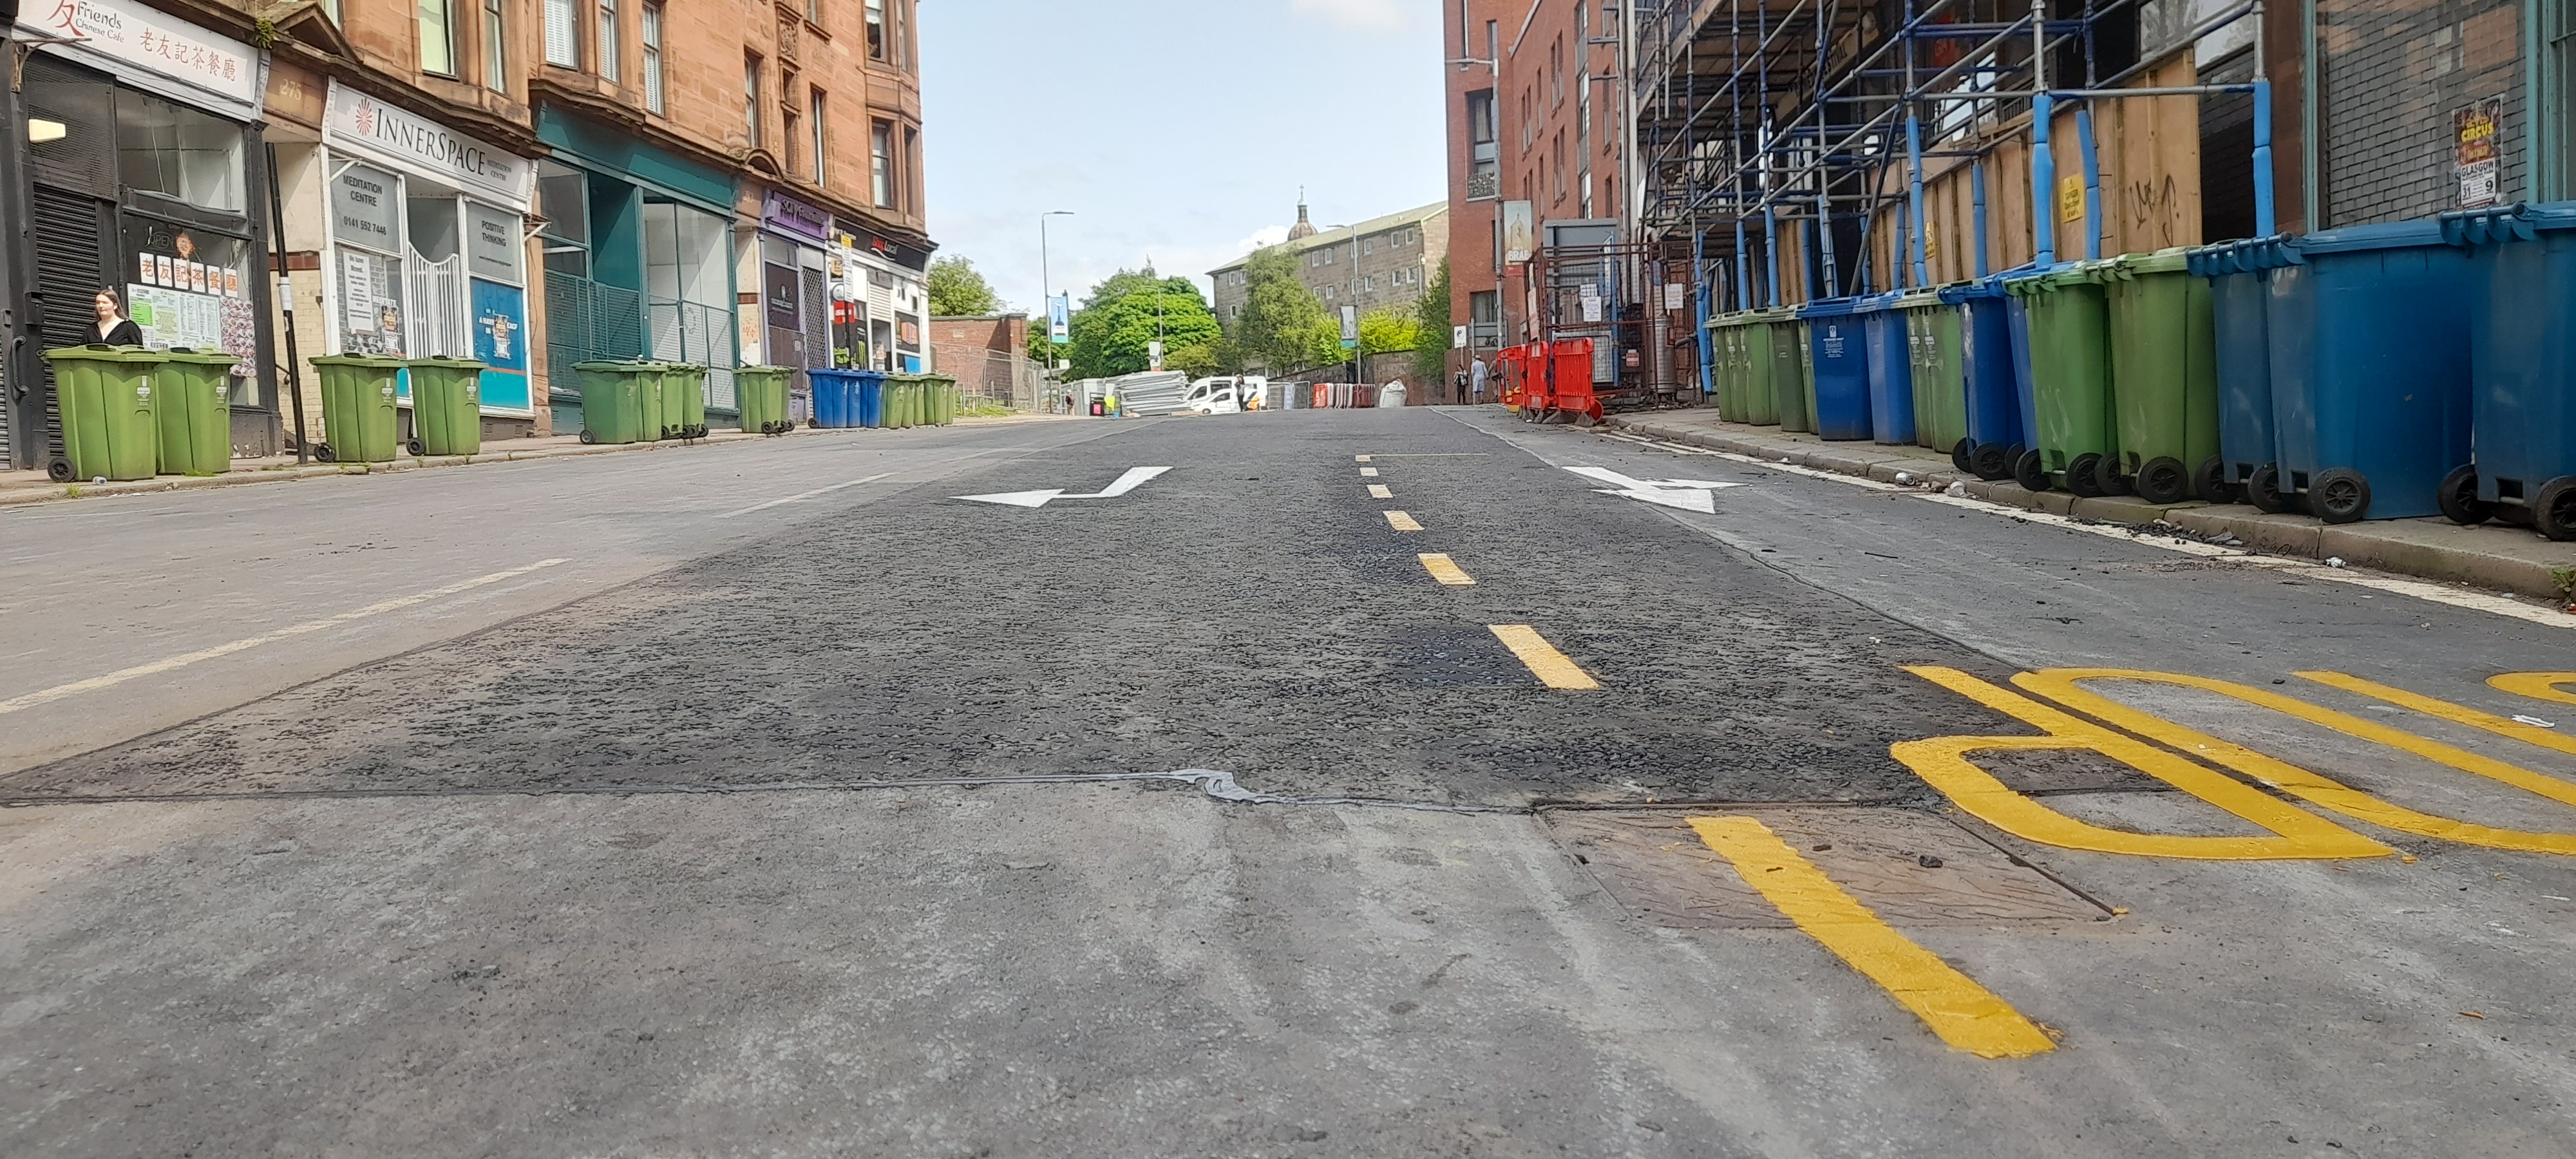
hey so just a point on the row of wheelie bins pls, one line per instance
(130, 412)
(2384, 371)
(641, 401)
(876, 399)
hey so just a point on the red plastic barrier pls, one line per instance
(1323, 395)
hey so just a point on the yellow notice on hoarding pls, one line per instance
(2070, 199)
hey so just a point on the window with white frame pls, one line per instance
(437, 37)
(563, 33)
(609, 49)
(881, 163)
(653, 58)
(496, 55)
(822, 141)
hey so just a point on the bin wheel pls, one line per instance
(2107, 473)
(1963, 456)
(416, 447)
(322, 453)
(588, 438)
(2263, 490)
(2210, 482)
(2030, 471)
(2459, 497)
(2084, 476)
(2339, 495)
(2553, 510)
(2163, 481)
(60, 470)
(1991, 463)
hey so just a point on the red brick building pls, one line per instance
(1533, 115)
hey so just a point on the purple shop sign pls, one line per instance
(787, 213)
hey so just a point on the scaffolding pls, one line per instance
(1776, 137)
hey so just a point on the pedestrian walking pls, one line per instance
(1476, 372)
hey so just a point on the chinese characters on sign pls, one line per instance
(140, 36)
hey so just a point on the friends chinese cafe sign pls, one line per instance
(130, 34)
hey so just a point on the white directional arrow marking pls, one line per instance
(1134, 478)
(1686, 494)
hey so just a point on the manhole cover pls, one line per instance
(1913, 868)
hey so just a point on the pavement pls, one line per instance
(2496, 556)
(1365, 783)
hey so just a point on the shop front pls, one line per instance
(427, 253)
(795, 286)
(638, 261)
(144, 137)
(883, 280)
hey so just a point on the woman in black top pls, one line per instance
(115, 328)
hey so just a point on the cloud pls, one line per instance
(1383, 15)
(1266, 235)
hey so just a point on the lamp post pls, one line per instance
(1046, 282)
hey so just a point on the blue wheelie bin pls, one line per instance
(2522, 367)
(834, 406)
(1839, 356)
(2240, 292)
(867, 396)
(1995, 395)
(2370, 370)
(1891, 369)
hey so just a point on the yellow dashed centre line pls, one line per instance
(1401, 521)
(1379, 491)
(1368, 472)
(1966, 1015)
(1445, 570)
(1553, 668)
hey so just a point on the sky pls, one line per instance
(1175, 130)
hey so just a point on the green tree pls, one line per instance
(1113, 332)
(958, 290)
(1281, 318)
(1388, 329)
(1431, 349)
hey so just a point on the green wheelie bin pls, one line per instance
(192, 397)
(1934, 351)
(106, 397)
(903, 398)
(760, 393)
(1721, 368)
(358, 407)
(446, 406)
(1789, 369)
(616, 406)
(684, 389)
(2070, 374)
(1758, 384)
(1806, 371)
(949, 398)
(2164, 372)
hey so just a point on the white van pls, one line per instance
(1225, 395)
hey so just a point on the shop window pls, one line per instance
(441, 323)
(437, 36)
(751, 97)
(563, 196)
(563, 33)
(496, 53)
(367, 270)
(881, 163)
(178, 152)
(876, 30)
(653, 58)
(609, 48)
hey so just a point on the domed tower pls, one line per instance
(1304, 228)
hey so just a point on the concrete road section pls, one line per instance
(1306, 783)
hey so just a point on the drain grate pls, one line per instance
(1914, 868)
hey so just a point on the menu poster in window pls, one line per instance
(370, 310)
(173, 318)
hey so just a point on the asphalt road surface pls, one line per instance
(1363, 783)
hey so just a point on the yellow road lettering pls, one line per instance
(1943, 763)
(1966, 1015)
(2537, 685)
(2503, 726)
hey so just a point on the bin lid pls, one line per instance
(2244, 256)
(2358, 238)
(1980, 288)
(444, 363)
(2171, 260)
(2494, 225)
(1917, 299)
(372, 361)
(2031, 281)
(194, 357)
(1830, 307)
(101, 352)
